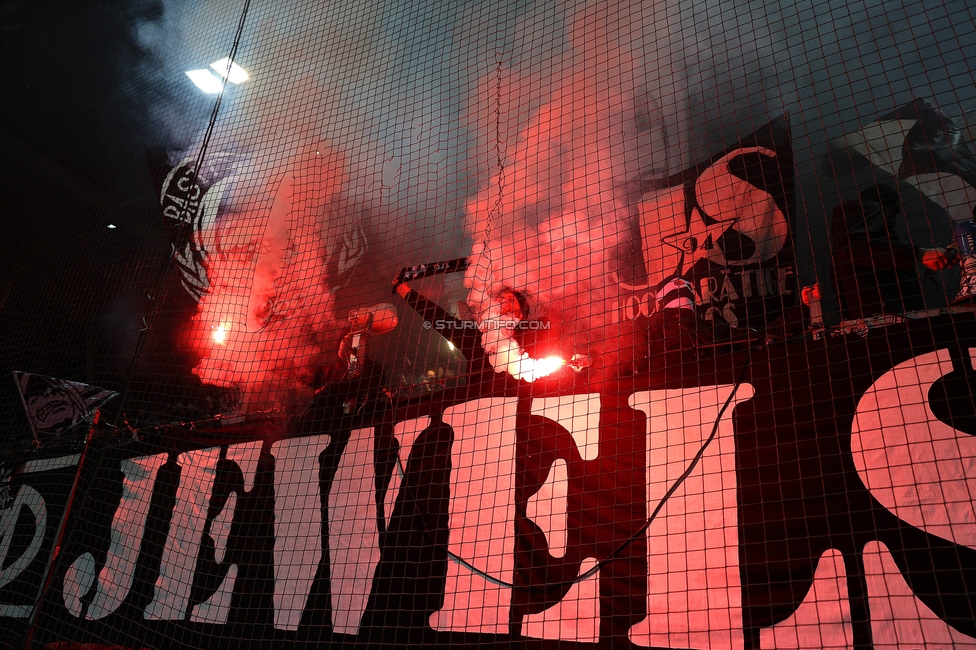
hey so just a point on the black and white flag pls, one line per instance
(55, 405)
(918, 144)
(726, 228)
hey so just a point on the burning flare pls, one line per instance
(504, 352)
(268, 318)
(553, 217)
(220, 333)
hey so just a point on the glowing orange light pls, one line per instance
(220, 333)
(531, 369)
(547, 366)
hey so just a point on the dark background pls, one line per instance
(74, 126)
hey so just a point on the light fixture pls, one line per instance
(111, 226)
(205, 81)
(230, 70)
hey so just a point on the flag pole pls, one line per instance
(47, 577)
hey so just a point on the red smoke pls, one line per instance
(549, 222)
(268, 317)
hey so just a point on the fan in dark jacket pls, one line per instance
(874, 272)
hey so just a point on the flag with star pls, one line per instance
(726, 226)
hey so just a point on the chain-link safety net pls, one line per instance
(529, 324)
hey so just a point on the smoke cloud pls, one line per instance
(550, 222)
(268, 316)
(291, 224)
(513, 132)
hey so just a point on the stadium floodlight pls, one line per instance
(205, 81)
(229, 70)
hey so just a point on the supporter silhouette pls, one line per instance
(353, 379)
(873, 272)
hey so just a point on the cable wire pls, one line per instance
(550, 586)
(185, 229)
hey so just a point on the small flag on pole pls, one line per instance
(55, 405)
